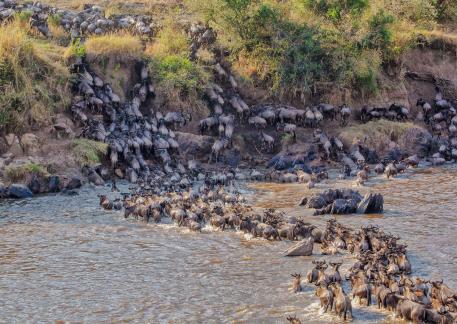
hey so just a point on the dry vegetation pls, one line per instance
(19, 173)
(88, 152)
(117, 46)
(376, 134)
(33, 79)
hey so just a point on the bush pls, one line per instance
(379, 35)
(118, 46)
(446, 10)
(335, 9)
(179, 73)
(88, 152)
(303, 62)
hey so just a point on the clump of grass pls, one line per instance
(75, 50)
(56, 29)
(170, 40)
(19, 173)
(33, 79)
(375, 134)
(117, 46)
(88, 152)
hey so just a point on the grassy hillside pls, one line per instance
(33, 78)
(288, 49)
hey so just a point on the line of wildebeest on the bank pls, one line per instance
(381, 272)
(89, 21)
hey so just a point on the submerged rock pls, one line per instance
(371, 204)
(343, 201)
(19, 191)
(54, 184)
(302, 248)
(74, 183)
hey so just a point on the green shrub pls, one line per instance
(446, 10)
(379, 35)
(179, 73)
(303, 61)
(335, 9)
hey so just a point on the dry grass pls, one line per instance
(19, 173)
(118, 46)
(88, 152)
(33, 79)
(170, 40)
(376, 134)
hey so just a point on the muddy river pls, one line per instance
(63, 258)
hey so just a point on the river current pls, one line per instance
(63, 258)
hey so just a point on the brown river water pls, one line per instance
(63, 258)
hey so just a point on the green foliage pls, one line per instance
(179, 73)
(304, 61)
(379, 35)
(335, 9)
(88, 152)
(446, 10)
(76, 49)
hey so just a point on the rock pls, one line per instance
(53, 184)
(36, 183)
(371, 204)
(14, 147)
(3, 145)
(30, 143)
(343, 207)
(95, 179)
(3, 190)
(62, 130)
(19, 191)
(303, 201)
(302, 248)
(74, 183)
(316, 202)
(70, 192)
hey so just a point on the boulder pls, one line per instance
(343, 207)
(53, 184)
(3, 190)
(316, 202)
(371, 204)
(30, 143)
(74, 183)
(36, 183)
(302, 248)
(14, 146)
(19, 191)
(3, 145)
(303, 201)
(95, 178)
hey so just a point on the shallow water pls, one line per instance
(63, 258)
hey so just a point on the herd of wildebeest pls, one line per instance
(144, 149)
